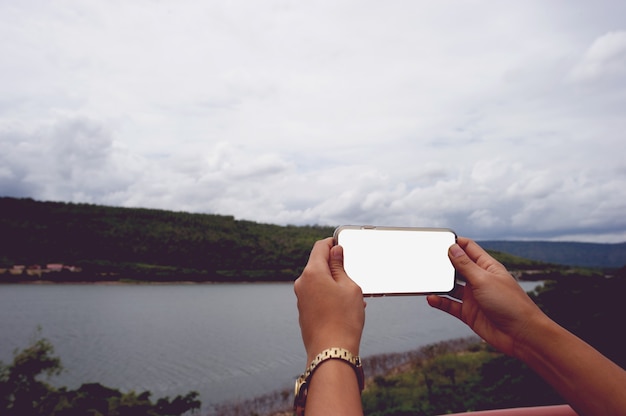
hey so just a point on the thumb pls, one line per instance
(471, 271)
(338, 272)
(336, 263)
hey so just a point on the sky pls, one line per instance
(500, 120)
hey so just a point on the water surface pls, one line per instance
(226, 341)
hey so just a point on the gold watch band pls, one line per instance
(335, 353)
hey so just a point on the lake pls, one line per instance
(226, 341)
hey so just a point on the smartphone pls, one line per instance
(387, 261)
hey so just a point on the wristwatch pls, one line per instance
(335, 353)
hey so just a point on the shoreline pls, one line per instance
(130, 282)
(133, 282)
(279, 402)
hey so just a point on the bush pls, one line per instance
(22, 393)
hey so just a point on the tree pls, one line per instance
(23, 393)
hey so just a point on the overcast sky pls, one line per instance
(501, 120)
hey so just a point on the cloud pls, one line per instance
(407, 113)
(61, 161)
(605, 58)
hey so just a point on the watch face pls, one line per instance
(299, 383)
(300, 396)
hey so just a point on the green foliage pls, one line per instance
(439, 385)
(515, 262)
(155, 245)
(481, 379)
(508, 383)
(22, 393)
(458, 382)
(21, 389)
(146, 244)
(591, 307)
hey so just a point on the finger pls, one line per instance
(478, 254)
(458, 291)
(320, 254)
(447, 305)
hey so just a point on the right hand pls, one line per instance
(493, 304)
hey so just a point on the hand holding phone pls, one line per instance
(397, 260)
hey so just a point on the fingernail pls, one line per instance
(456, 251)
(337, 252)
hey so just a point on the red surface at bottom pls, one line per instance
(560, 410)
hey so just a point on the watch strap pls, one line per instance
(335, 353)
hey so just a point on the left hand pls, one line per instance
(331, 305)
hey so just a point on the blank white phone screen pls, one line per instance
(387, 261)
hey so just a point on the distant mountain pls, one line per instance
(565, 253)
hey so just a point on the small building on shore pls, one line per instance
(17, 269)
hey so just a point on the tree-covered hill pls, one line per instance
(569, 253)
(111, 243)
(148, 244)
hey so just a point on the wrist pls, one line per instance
(340, 358)
(537, 334)
(317, 347)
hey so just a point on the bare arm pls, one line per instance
(499, 311)
(331, 314)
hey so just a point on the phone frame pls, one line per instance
(336, 240)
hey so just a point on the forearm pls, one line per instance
(334, 390)
(591, 383)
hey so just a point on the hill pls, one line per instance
(65, 241)
(109, 243)
(564, 253)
